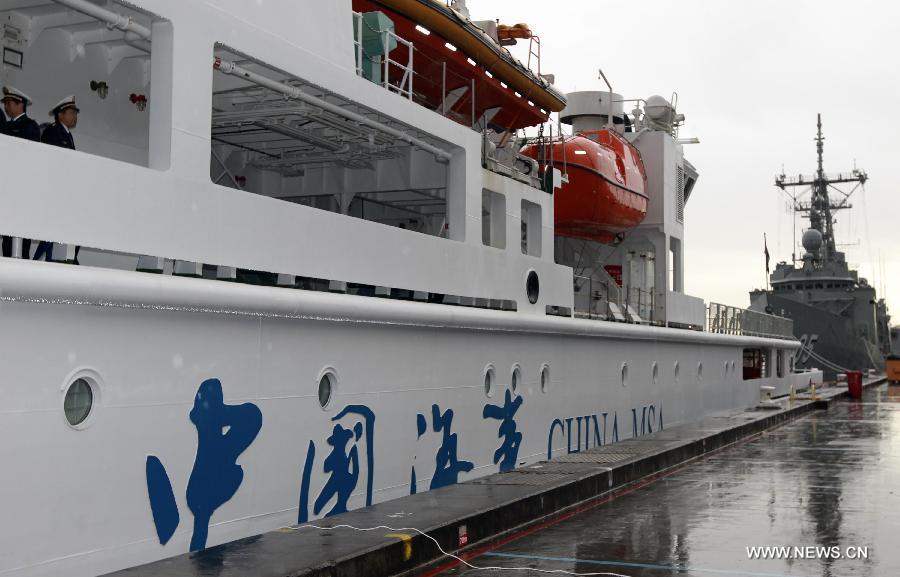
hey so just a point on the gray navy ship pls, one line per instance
(838, 318)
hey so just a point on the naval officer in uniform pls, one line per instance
(65, 118)
(16, 103)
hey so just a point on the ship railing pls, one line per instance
(640, 301)
(457, 92)
(592, 297)
(604, 299)
(459, 98)
(357, 42)
(405, 86)
(389, 41)
(730, 320)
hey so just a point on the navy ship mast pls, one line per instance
(820, 208)
(837, 315)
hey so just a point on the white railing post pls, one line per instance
(359, 45)
(387, 59)
(410, 70)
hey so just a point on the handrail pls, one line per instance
(730, 320)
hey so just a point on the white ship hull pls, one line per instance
(150, 341)
(349, 183)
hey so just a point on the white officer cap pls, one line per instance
(12, 93)
(65, 103)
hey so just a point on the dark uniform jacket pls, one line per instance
(2, 124)
(24, 127)
(57, 135)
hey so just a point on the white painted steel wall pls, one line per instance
(685, 309)
(79, 497)
(176, 212)
(57, 66)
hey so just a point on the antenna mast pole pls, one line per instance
(820, 207)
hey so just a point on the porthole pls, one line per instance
(624, 374)
(545, 378)
(700, 371)
(532, 287)
(515, 378)
(677, 371)
(78, 402)
(489, 381)
(327, 385)
(655, 373)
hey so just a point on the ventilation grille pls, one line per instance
(679, 195)
(11, 34)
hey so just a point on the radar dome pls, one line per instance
(657, 107)
(812, 240)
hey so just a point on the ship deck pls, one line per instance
(685, 500)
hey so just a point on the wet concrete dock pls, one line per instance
(828, 479)
(688, 500)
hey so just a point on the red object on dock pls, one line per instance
(854, 384)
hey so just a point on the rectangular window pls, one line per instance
(493, 219)
(531, 228)
(779, 363)
(756, 364)
(278, 135)
(752, 364)
(104, 69)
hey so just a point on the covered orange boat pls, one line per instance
(605, 195)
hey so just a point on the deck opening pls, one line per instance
(280, 136)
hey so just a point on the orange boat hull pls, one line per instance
(440, 72)
(605, 194)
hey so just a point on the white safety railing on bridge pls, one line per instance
(736, 321)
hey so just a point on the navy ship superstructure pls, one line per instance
(839, 319)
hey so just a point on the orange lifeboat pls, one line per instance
(605, 195)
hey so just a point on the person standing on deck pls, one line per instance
(65, 118)
(15, 104)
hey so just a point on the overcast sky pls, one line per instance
(750, 78)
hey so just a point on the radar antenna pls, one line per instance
(819, 208)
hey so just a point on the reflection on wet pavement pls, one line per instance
(829, 480)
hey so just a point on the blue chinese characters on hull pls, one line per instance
(223, 433)
(342, 464)
(508, 451)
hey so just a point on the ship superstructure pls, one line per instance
(837, 315)
(317, 271)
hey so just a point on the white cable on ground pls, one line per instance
(451, 555)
